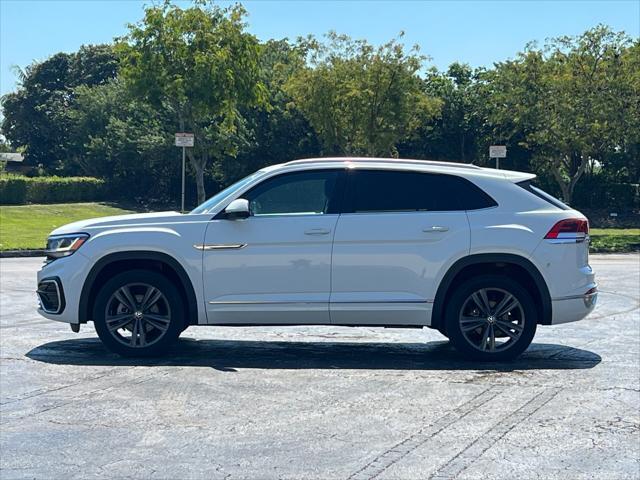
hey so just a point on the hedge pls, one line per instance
(18, 189)
(593, 192)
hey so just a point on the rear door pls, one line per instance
(397, 232)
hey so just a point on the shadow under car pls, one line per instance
(229, 355)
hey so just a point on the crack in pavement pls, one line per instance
(76, 398)
(40, 392)
(480, 445)
(400, 450)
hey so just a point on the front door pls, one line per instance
(275, 266)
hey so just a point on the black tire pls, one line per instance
(523, 328)
(157, 329)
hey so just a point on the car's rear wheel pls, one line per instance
(138, 313)
(491, 318)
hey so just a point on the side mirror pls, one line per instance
(237, 209)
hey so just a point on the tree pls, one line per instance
(35, 115)
(568, 103)
(360, 99)
(122, 140)
(199, 65)
(453, 133)
(277, 131)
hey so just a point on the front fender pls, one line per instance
(171, 246)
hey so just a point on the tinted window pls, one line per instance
(543, 195)
(294, 193)
(469, 195)
(396, 191)
(220, 196)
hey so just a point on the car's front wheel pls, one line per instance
(491, 318)
(138, 313)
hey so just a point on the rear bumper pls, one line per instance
(574, 308)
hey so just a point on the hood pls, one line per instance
(93, 224)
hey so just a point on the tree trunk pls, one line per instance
(567, 192)
(568, 188)
(200, 183)
(199, 165)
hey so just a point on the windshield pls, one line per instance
(214, 201)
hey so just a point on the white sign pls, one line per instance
(498, 151)
(185, 139)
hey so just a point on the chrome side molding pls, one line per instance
(310, 302)
(219, 246)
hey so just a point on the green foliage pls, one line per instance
(4, 146)
(610, 240)
(451, 134)
(595, 192)
(361, 99)
(18, 189)
(123, 140)
(276, 130)
(568, 111)
(570, 104)
(200, 67)
(35, 115)
(13, 189)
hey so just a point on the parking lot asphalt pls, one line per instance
(321, 402)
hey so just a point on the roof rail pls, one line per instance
(383, 160)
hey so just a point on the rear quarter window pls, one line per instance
(533, 190)
(469, 195)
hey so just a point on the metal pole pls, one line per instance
(183, 168)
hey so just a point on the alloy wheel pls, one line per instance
(491, 319)
(137, 315)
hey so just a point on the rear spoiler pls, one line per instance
(517, 177)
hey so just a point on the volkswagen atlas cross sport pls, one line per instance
(481, 255)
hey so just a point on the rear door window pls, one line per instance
(404, 191)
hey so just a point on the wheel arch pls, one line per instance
(151, 260)
(500, 263)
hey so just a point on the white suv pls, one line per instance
(479, 254)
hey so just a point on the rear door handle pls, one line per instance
(317, 231)
(435, 228)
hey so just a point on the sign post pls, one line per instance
(184, 140)
(498, 152)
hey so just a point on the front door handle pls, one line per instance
(435, 228)
(317, 231)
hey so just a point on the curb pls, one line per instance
(21, 253)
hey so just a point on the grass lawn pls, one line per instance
(27, 226)
(609, 240)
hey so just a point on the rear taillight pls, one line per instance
(569, 229)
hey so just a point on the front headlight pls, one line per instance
(64, 245)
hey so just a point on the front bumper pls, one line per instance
(69, 274)
(51, 295)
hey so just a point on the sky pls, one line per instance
(475, 32)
